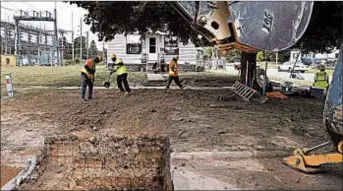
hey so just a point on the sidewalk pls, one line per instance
(155, 77)
(133, 87)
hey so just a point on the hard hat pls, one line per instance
(113, 56)
(321, 66)
(119, 60)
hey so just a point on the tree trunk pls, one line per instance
(250, 60)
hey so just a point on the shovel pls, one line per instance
(107, 83)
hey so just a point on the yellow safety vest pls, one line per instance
(321, 80)
(91, 65)
(121, 69)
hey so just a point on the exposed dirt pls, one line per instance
(7, 173)
(195, 120)
(102, 162)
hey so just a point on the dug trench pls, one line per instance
(196, 121)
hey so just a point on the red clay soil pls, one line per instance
(7, 173)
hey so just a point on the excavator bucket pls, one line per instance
(255, 25)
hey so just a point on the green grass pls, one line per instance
(58, 76)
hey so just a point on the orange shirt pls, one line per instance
(173, 68)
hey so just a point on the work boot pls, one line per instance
(83, 98)
(126, 93)
(90, 98)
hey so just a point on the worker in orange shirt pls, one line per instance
(174, 72)
(87, 77)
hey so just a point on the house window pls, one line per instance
(133, 44)
(152, 45)
(171, 45)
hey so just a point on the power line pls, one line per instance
(7, 8)
(14, 9)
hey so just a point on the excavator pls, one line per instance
(270, 26)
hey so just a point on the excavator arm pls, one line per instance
(269, 26)
(248, 26)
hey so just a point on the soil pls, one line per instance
(102, 162)
(195, 120)
(7, 173)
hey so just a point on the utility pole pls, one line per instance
(103, 51)
(6, 33)
(87, 34)
(62, 38)
(81, 39)
(56, 36)
(72, 35)
(38, 45)
(277, 54)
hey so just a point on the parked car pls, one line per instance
(288, 66)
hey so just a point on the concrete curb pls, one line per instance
(228, 155)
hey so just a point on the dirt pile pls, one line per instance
(103, 162)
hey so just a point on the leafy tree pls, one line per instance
(67, 48)
(93, 50)
(324, 32)
(233, 56)
(111, 18)
(260, 56)
(77, 47)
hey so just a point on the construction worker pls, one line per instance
(321, 78)
(87, 77)
(174, 72)
(121, 74)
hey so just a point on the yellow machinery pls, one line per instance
(269, 26)
(302, 161)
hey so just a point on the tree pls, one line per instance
(260, 56)
(233, 56)
(324, 32)
(93, 50)
(77, 47)
(67, 48)
(111, 18)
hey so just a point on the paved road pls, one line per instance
(275, 73)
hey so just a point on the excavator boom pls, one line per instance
(249, 26)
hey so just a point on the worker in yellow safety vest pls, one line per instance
(321, 78)
(122, 74)
(87, 77)
(174, 72)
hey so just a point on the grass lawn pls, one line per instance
(58, 76)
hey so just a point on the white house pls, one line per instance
(132, 48)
